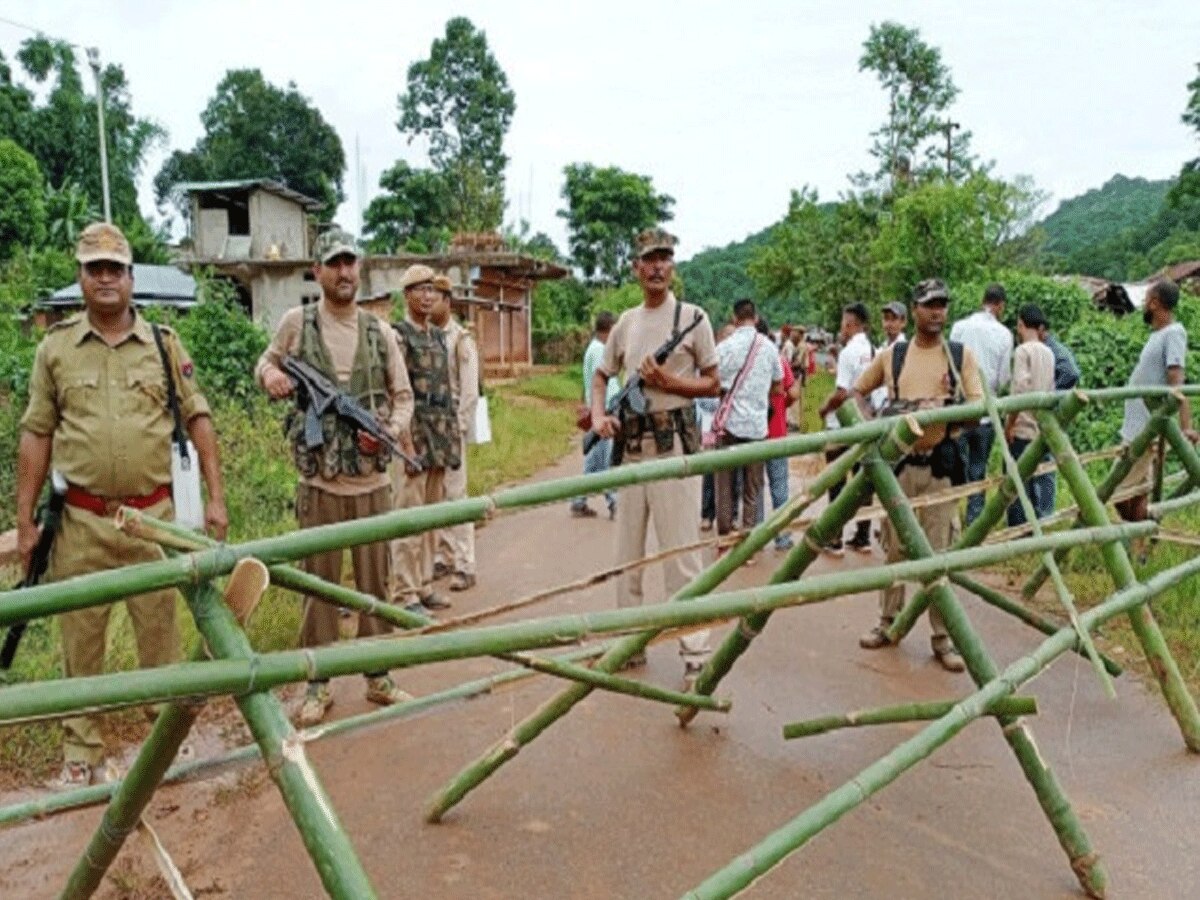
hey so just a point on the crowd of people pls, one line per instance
(737, 386)
(111, 395)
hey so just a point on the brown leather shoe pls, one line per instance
(877, 637)
(950, 659)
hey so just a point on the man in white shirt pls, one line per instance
(747, 383)
(992, 346)
(600, 456)
(852, 361)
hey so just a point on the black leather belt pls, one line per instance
(922, 460)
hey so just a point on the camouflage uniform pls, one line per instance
(435, 438)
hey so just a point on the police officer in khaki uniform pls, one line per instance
(669, 427)
(98, 413)
(926, 379)
(348, 477)
(456, 545)
(433, 434)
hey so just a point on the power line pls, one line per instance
(40, 32)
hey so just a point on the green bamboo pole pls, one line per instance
(172, 535)
(105, 587)
(1162, 508)
(552, 710)
(823, 529)
(1002, 601)
(1065, 597)
(760, 859)
(130, 798)
(55, 803)
(1116, 560)
(994, 507)
(1050, 795)
(905, 712)
(1117, 473)
(326, 840)
(1183, 449)
(69, 696)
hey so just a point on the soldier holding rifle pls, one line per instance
(345, 476)
(666, 426)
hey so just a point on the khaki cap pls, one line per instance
(335, 242)
(103, 241)
(443, 284)
(414, 275)
(655, 239)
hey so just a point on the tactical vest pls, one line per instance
(435, 415)
(339, 455)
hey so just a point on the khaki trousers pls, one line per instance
(940, 524)
(89, 543)
(371, 564)
(412, 556)
(670, 507)
(456, 545)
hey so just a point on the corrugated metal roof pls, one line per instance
(245, 184)
(165, 284)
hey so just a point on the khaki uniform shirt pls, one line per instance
(339, 330)
(106, 407)
(464, 373)
(925, 377)
(642, 330)
(1033, 370)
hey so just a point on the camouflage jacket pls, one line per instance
(435, 417)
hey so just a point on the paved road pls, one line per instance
(616, 801)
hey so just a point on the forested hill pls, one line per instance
(718, 276)
(1081, 224)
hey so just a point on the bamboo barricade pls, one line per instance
(248, 677)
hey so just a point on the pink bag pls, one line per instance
(711, 439)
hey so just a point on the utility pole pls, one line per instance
(93, 55)
(949, 127)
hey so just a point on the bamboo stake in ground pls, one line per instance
(1116, 560)
(906, 712)
(1053, 800)
(129, 801)
(743, 871)
(324, 837)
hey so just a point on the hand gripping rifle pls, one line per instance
(318, 395)
(632, 394)
(50, 515)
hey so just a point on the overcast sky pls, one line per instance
(728, 106)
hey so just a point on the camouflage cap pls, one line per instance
(654, 239)
(103, 241)
(896, 308)
(414, 275)
(443, 284)
(335, 242)
(930, 289)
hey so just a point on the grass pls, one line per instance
(532, 423)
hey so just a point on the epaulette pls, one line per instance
(66, 323)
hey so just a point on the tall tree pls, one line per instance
(22, 203)
(253, 129)
(411, 214)
(606, 208)
(61, 131)
(912, 142)
(460, 102)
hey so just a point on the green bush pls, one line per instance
(1063, 302)
(224, 343)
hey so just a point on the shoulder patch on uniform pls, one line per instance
(66, 323)
(187, 370)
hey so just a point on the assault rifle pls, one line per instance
(318, 395)
(50, 515)
(631, 394)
